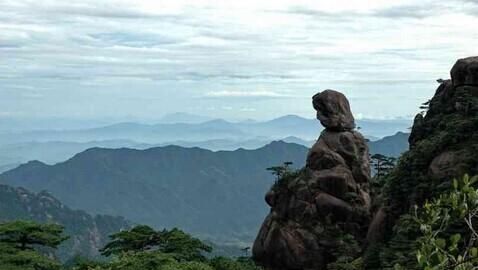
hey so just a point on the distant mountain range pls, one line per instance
(194, 130)
(185, 118)
(392, 146)
(87, 233)
(53, 152)
(198, 190)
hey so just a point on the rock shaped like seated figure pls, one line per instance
(333, 110)
(330, 196)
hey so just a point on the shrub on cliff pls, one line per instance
(441, 246)
(443, 145)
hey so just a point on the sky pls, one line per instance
(139, 60)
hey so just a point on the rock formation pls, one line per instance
(311, 210)
(443, 146)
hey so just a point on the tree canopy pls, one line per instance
(139, 238)
(142, 238)
(25, 234)
(23, 244)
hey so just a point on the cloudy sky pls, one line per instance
(231, 59)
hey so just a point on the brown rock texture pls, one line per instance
(312, 208)
(443, 146)
(465, 72)
(333, 110)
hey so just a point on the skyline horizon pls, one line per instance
(139, 59)
(161, 119)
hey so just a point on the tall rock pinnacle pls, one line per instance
(333, 110)
(327, 198)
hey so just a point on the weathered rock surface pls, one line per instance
(448, 165)
(443, 146)
(465, 72)
(328, 196)
(376, 230)
(333, 110)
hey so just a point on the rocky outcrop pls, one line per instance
(87, 233)
(465, 72)
(327, 199)
(312, 209)
(333, 110)
(449, 125)
(443, 146)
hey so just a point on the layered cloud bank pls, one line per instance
(224, 58)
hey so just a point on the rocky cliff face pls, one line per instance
(318, 213)
(87, 233)
(315, 210)
(443, 146)
(443, 142)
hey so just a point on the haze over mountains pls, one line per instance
(196, 189)
(168, 131)
(175, 173)
(21, 144)
(52, 152)
(87, 233)
(199, 190)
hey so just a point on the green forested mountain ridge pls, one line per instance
(36, 176)
(443, 146)
(51, 152)
(210, 194)
(87, 233)
(392, 146)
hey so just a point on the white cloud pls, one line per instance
(173, 50)
(248, 109)
(244, 94)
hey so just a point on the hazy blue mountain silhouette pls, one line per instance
(218, 129)
(198, 190)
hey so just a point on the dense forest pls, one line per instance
(27, 245)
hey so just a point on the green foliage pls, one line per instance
(146, 260)
(143, 248)
(189, 266)
(382, 164)
(400, 250)
(348, 254)
(24, 234)
(175, 242)
(139, 238)
(12, 258)
(141, 261)
(81, 263)
(86, 232)
(439, 247)
(22, 244)
(233, 178)
(281, 171)
(284, 174)
(182, 246)
(242, 263)
(450, 126)
(26, 245)
(156, 260)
